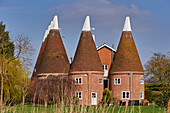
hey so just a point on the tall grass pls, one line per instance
(82, 109)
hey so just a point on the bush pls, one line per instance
(107, 96)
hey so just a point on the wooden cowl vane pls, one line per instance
(126, 57)
(52, 59)
(86, 57)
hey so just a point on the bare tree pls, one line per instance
(58, 89)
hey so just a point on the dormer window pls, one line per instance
(78, 80)
(105, 67)
(141, 80)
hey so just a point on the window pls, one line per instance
(141, 95)
(117, 81)
(78, 94)
(141, 80)
(125, 95)
(78, 80)
(105, 67)
(100, 80)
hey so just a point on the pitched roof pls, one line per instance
(53, 57)
(86, 57)
(126, 57)
(105, 45)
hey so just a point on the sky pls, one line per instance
(150, 21)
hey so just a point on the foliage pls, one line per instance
(158, 92)
(107, 96)
(153, 86)
(164, 95)
(12, 70)
(158, 68)
(6, 46)
(148, 95)
(59, 89)
(158, 73)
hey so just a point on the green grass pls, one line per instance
(85, 109)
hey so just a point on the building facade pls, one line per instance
(94, 68)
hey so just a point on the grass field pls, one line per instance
(85, 109)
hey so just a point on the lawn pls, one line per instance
(85, 109)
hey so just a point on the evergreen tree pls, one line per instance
(6, 46)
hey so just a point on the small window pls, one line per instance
(117, 81)
(78, 80)
(78, 94)
(125, 95)
(141, 95)
(141, 80)
(100, 80)
(105, 67)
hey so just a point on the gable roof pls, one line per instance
(105, 45)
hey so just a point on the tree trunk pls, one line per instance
(2, 89)
(23, 100)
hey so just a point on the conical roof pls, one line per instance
(52, 57)
(126, 57)
(86, 57)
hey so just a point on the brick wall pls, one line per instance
(106, 55)
(129, 82)
(90, 83)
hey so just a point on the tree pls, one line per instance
(58, 89)
(11, 63)
(107, 96)
(158, 69)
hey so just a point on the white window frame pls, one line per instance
(105, 66)
(142, 95)
(116, 79)
(126, 94)
(78, 80)
(100, 82)
(78, 94)
(141, 80)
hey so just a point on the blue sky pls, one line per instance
(150, 21)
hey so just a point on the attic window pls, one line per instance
(105, 67)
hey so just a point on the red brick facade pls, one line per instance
(106, 56)
(90, 83)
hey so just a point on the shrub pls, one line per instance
(107, 96)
